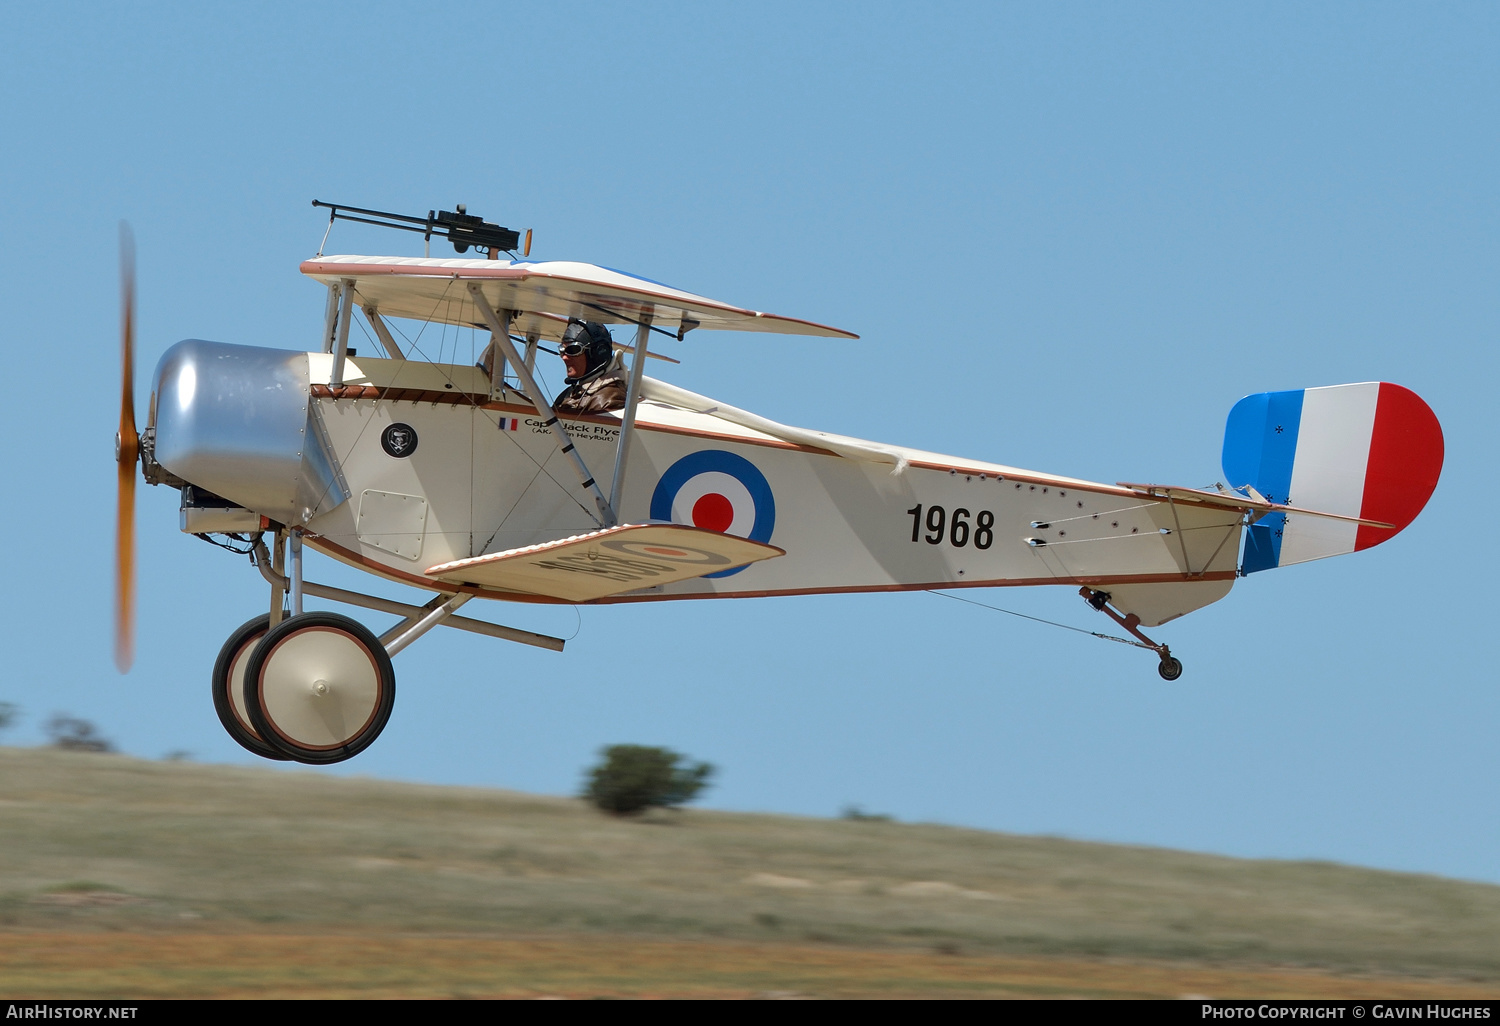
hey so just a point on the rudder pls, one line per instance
(1372, 450)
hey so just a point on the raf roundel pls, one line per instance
(717, 491)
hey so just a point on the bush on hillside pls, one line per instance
(76, 735)
(633, 778)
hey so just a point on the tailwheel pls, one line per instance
(1170, 667)
(319, 688)
(229, 686)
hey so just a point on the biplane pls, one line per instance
(455, 477)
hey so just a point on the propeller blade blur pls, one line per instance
(127, 449)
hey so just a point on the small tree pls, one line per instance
(633, 778)
(76, 734)
(8, 713)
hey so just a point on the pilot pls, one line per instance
(596, 375)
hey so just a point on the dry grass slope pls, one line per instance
(101, 845)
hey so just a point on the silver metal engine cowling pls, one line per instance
(238, 421)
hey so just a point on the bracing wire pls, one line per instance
(413, 347)
(1038, 619)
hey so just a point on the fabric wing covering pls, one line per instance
(543, 295)
(608, 562)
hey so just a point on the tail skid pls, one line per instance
(1170, 668)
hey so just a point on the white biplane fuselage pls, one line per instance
(490, 478)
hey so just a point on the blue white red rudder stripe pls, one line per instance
(1372, 450)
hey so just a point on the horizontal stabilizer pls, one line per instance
(608, 562)
(1234, 500)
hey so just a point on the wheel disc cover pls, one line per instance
(319, 688)
(237, 682)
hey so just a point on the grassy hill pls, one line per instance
(115, 856)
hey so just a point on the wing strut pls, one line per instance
(501, 332)
(383, 333)
(340, 344)
(627, 419)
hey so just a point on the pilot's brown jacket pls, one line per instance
(596, 395)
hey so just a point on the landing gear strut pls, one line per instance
(1170, 667)
(314, 687)
(318, 687)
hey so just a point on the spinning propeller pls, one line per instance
(127, 450)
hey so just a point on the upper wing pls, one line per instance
(543, 295)
(608, 562)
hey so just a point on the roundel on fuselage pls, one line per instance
(717, 491)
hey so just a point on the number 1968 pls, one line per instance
(956, 528)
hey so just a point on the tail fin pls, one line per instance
(1372, 450)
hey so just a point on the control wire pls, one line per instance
(1038, 619)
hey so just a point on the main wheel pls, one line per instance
(319, 688)
(229, 686)
(1170, 668)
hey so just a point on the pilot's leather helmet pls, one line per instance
(595, 340)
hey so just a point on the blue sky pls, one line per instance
(1071, 236)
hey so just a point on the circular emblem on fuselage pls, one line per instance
(399, 440)
(717, 491)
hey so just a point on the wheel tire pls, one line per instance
(319, 688)
(1170, 668)
(229, 690)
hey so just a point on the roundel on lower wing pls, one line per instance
(717, 491)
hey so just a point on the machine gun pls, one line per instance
(459, 227)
